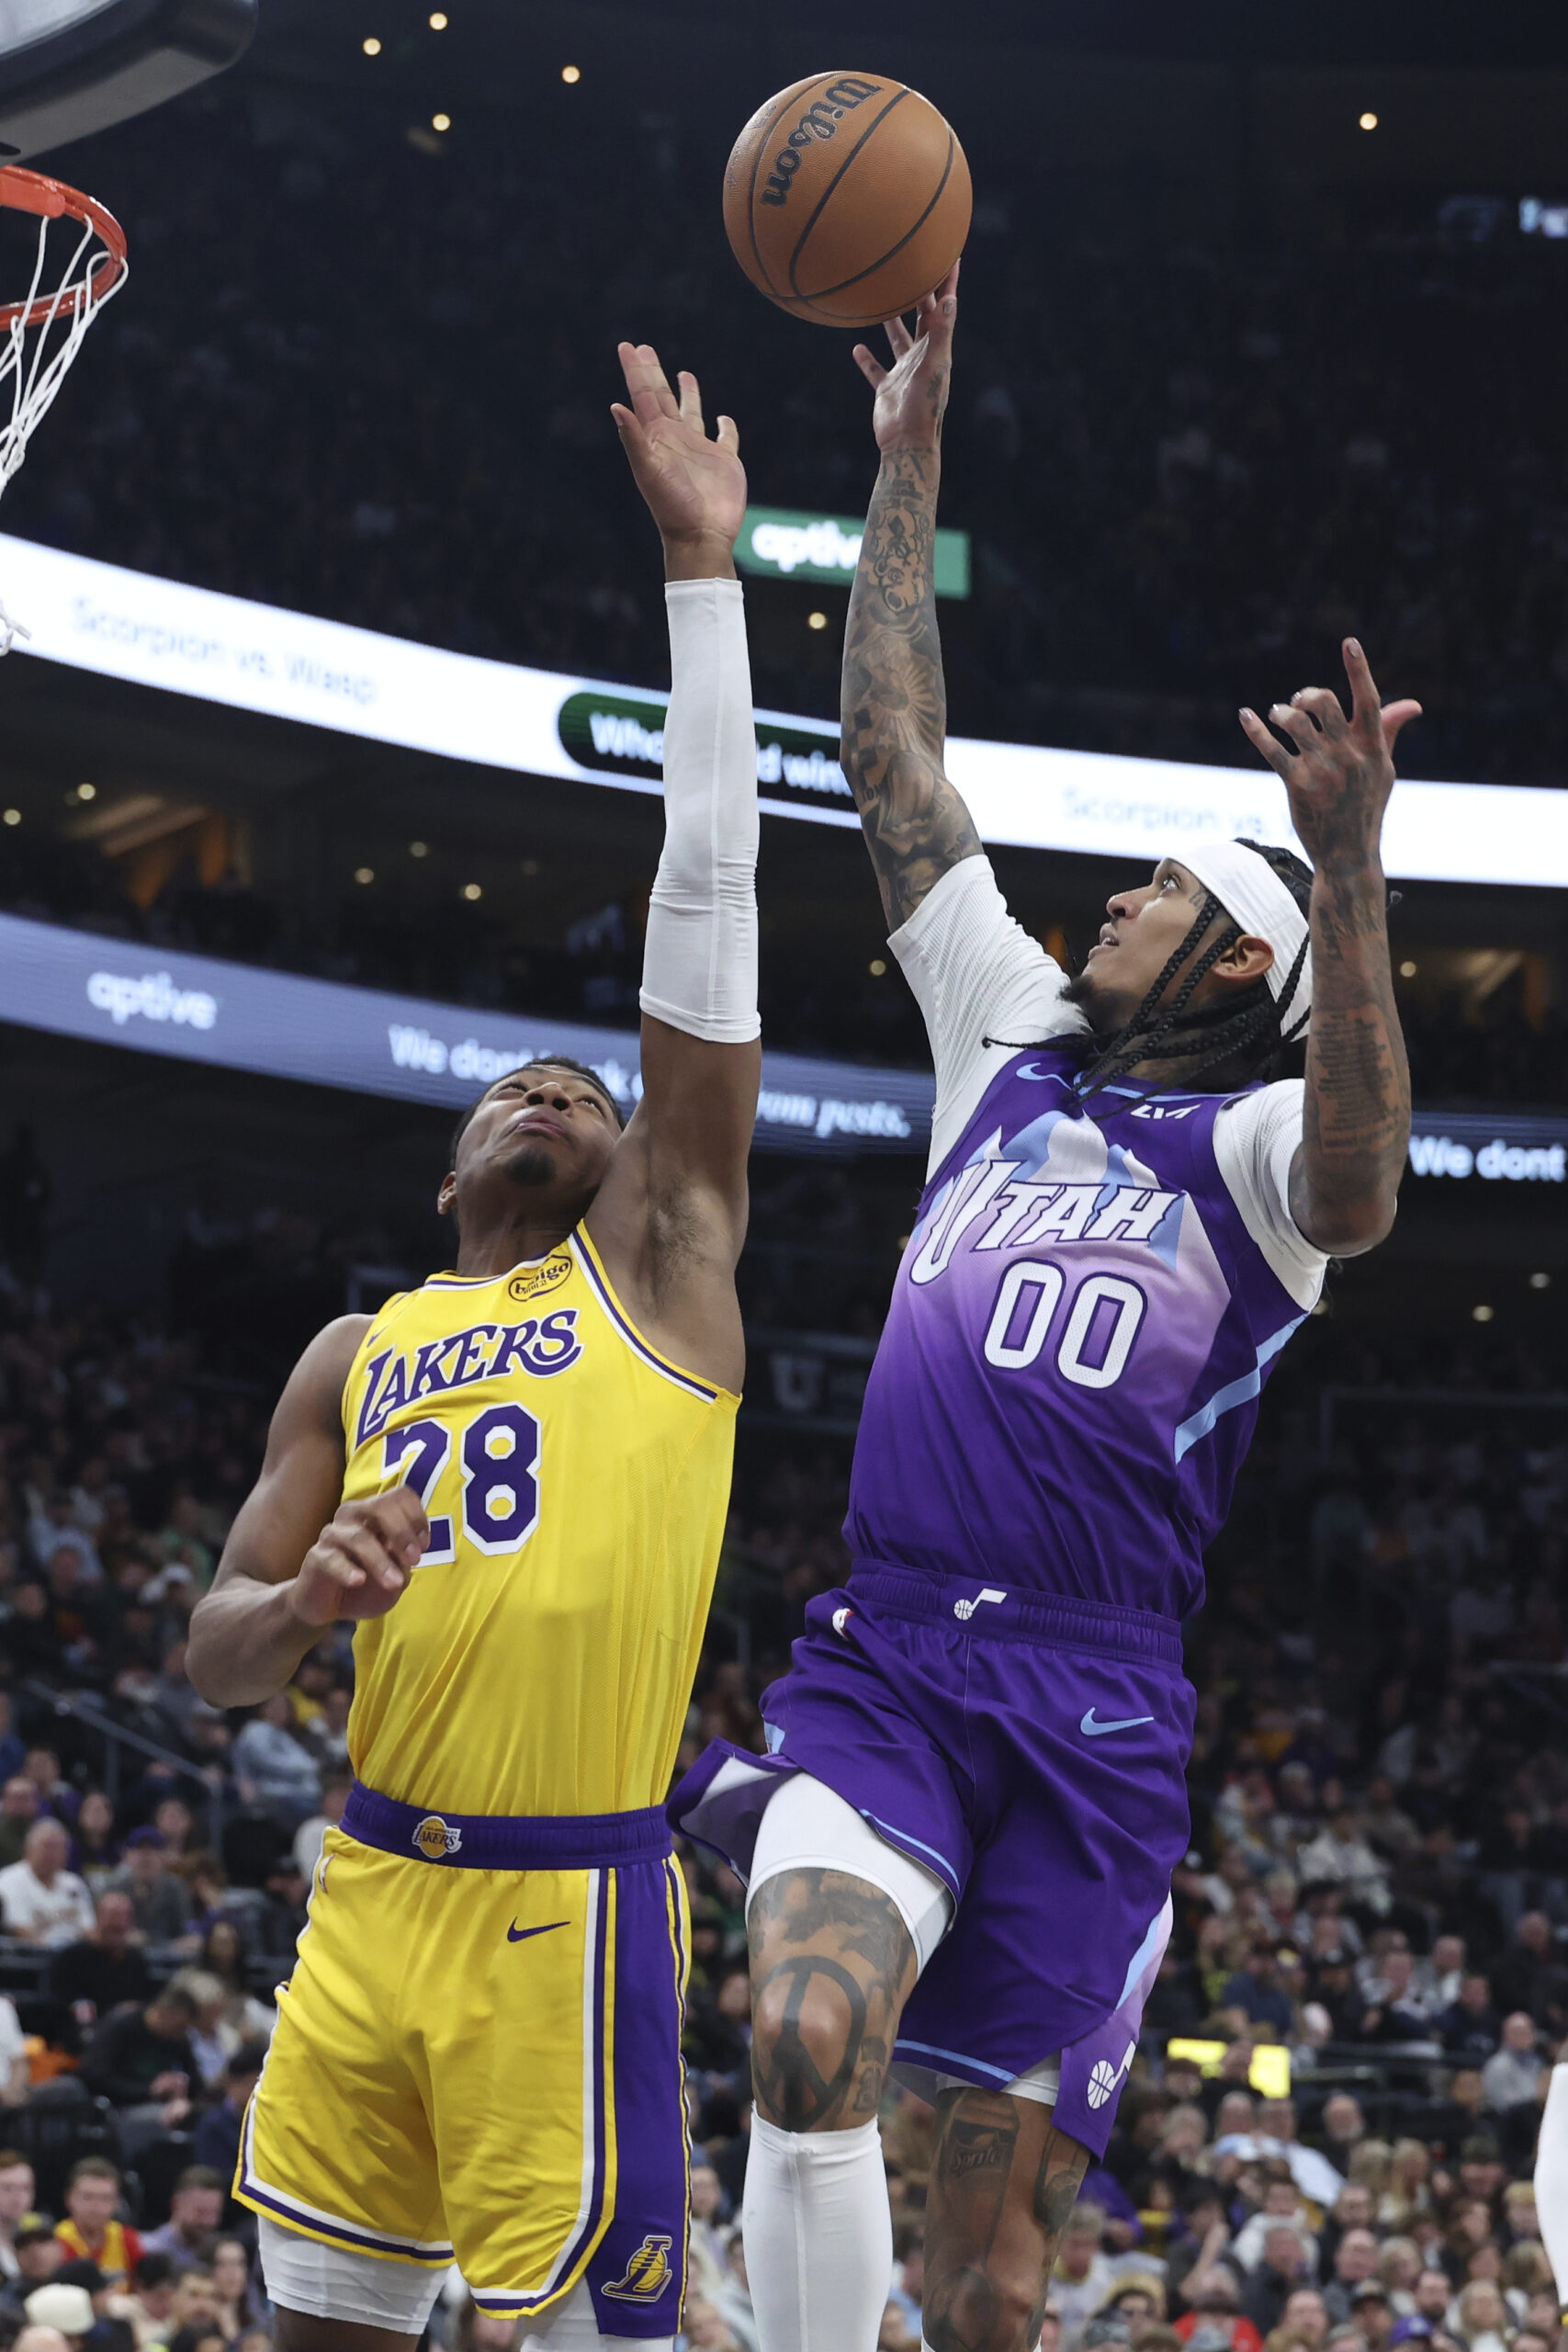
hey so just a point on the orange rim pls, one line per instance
(47, 199)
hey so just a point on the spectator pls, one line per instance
(1482, 2317)
(158, 1899)
(196, 2211)
(1214, 2322)
(95, 1849)
(91, 2231)
(41, 1901)
(60, 2308)
(1306, 2317)
(1433, 2293)
(149, 2303)
(1083, 2273)
(38, 2256)
(238, 2306)
(1372, 2312)
(225, 1959)
(1529, 1976)
(108, 1969)
(192, 2305)
(1342, 1856)
(1283, 2269)
(16, 2074)
(143, 2062)
(215, 2141)
(1343, 2126)
(310, 1835)
(12, 1752)
(1512, 2074)
(274, 1768)
(1355, 2260)
(1257, 1993)
(1470, 2029)
(18, 2189)
(19, 1809)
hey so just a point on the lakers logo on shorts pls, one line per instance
(435, 1839)
(646, 2274)
(537, 1278)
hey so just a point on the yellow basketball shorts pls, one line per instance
(477, 2059)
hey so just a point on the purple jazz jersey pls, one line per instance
(1063, 1393)
(1079, 1331)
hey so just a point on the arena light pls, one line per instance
(122, 624)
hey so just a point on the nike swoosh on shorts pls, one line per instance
(516, 1935)
(1092, 1730)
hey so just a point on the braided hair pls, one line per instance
(1248, 1029)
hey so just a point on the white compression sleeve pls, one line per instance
(818, 2235)
(1552, 2179)
(699, 966)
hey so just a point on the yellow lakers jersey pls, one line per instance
(576, 1484)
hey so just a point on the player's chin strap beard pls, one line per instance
(1172, 1033)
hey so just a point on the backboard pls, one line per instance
(71, 67)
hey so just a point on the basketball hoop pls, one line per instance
(40, 335)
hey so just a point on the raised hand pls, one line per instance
(1340, 773)
(911, 395)
(695, 488)
(360, 1563)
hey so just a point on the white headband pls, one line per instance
(1253, 895)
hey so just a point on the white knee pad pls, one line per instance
(809, 1827)
(572, 2328)
(328, 2282)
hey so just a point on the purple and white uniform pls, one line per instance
(1081, 1325)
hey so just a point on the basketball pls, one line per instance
(846, 197)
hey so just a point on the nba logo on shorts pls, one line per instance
(434, 1839)
(646, 2274)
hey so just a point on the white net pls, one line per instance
(40, 335)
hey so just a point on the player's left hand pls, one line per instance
(1340, 772)
(695, 487)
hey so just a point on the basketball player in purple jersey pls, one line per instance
(959, 1850)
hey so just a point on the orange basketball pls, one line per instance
(846, 199)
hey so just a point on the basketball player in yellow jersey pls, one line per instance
(515, 1478)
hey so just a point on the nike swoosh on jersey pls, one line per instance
(1091, 1730)
(516, 1935)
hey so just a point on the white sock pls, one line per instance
(818, 2235)
(1552, 2179)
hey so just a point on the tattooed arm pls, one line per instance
(895, 703)
(1345, 1178)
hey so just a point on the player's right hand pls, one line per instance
(361, 1561)
(911, 395)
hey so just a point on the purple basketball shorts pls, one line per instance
(1031, 1751)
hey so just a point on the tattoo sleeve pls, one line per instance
(1357, 1125)
(895, 701)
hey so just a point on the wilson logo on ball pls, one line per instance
(819, 122)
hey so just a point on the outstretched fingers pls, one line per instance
(691, 400)
(648, 388)
(1262, 741)
(1367, 711)
(869, 367)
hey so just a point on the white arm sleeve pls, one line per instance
(1552, 2179)
(699, 965)
(1256, 1139)
(976, 975)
